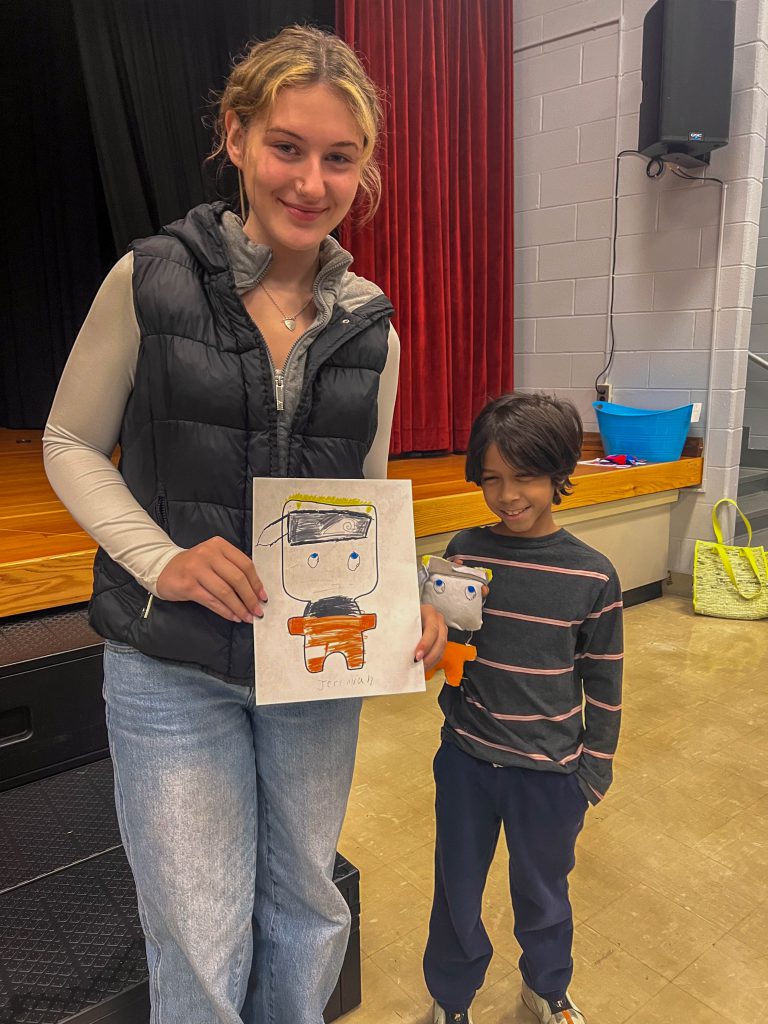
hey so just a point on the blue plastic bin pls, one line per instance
(656, 435)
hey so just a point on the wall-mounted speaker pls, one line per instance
(687, 79)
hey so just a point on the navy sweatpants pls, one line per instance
(542, 813)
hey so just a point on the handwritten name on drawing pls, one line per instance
(349, 683)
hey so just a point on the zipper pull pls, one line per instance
(279, 387)
(148, 606)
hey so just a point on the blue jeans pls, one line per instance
(230, 815)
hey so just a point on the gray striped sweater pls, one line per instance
(545, 689)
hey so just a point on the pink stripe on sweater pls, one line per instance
(598, 753)
(605, 707)
(529, 565)
(532, 618)
(602, 657)
(526, 718)
(527, 671)
(608, 608)
(521, 753)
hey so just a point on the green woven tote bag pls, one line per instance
(730, 582)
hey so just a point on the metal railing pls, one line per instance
(758, 359)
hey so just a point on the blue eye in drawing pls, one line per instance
(313, 559)
(470, 592)
(353, 561)
(439, 586)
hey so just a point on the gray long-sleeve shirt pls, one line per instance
(545, 689)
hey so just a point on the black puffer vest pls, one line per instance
(201, 424)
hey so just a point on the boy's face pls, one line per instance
(522, 502)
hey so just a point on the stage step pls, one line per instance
(71, 947)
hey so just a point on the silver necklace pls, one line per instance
(289, 321)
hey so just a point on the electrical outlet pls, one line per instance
(696, 414)
(604, 392)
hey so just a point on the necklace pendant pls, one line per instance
(290, 323)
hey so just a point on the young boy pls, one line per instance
(530, 734)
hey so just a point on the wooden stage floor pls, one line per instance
(46, 559)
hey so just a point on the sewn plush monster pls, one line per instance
(457, 592)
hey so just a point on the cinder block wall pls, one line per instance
(577, 91)
(756, 403)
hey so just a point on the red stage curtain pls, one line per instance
(441, 245)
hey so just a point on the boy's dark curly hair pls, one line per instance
(537, 434)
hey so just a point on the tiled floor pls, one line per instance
(670, 891)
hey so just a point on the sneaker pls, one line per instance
(563, 1011)
(439, 1016)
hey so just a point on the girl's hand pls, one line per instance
(218, 576)
(433, 637)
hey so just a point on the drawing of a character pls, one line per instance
(329, 561)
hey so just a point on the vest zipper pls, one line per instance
(279, 389)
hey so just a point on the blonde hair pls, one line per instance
(300, 56)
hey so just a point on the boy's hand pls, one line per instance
(459, 561)
(434, 636)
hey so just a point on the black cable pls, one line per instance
(660, 166)
(624, 152)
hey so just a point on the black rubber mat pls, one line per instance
(32, 637)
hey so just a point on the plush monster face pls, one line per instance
(456, 591)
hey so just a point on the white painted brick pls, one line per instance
(601, 58)
(629, 132)
(661, 250)
(594, 219)
(591, 295)
(527, 191)
(578, 184)
(749, 63)
(632, 177)
(535, 76)
(722, 483)
(597, 140)
(578, 17)
(528, 32)
(724, 448)
(691, 518)
(574, 259)
(683, 208)
(638, 332)
(525, 335)
(535, 370)
(749, 111)
(686, 289)
(631, 92)
(739, 244)
(747, 21)
(733, 328)
(632, 50)
(743, 201)
(594, 101)
(652, 398)
(577, 38)
(681, 556)
(679, 370)
(553, 224)
(741, 158)
(633, 13)
(729, 369)
(737, 286)
(526, 265)
(527, 115)
(633, 293)
(547, 149)
(547, 298)
(637, 214)
(630, 369)
(726, 410)
(524, 9)
(571, 334)
(585, 366)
